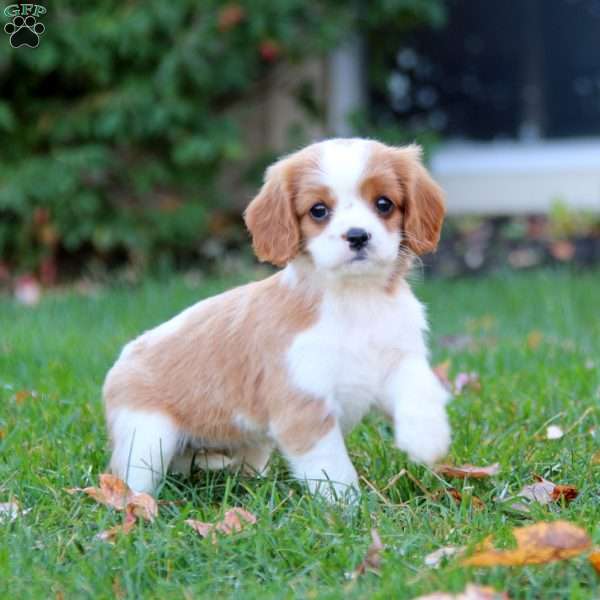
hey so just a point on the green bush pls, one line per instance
(115, 127)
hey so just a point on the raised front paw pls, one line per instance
(425, 439)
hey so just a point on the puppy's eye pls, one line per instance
(319, 212)
(384, 205)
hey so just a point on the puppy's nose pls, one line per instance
(357, 238)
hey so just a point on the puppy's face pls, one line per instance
(352, 206)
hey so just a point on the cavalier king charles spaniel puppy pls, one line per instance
(295, 361)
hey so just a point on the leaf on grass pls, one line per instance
(536, 544)
(472, 592)
(468, 471)
(469, 381)
(433, 559)
(534, 339)
(234, 520)
(23, 395)
(116, 493)
(554, 432)
(594, 558)
(442, 373)
(123, 529)
(372, 560)
(596, 458)
(476, 502)
(544, 492)
(9, 511)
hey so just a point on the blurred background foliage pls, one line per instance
(116, 129)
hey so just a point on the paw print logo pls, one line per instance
(24, 31)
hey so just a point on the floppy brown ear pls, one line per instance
(424, 206)
(271, 218)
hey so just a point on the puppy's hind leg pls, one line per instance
(144, 443)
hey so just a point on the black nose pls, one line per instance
(357, 238)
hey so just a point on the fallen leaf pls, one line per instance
(472, 592)
(534, 339)
(23, 395)
(441, 371)
(9, 511)
(536, 544)
(596, 458)
(554, 432)
(372, 560)
(466, 381)
(468, 471)
(544, 492)
(234, 520)
(116, 493)
(594, 558)
(477, 503)
(433, 559)
(124, 528)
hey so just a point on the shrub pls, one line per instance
(116, 126)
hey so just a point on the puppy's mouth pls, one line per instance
(359, 256)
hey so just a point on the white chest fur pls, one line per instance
(359, 337)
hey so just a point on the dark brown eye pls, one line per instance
(384, 205)
(319, 212)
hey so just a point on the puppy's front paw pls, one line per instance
(425, 439)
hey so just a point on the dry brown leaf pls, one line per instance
(594, 558)
(472, 592)
(433, 559)
(234, 520)
(468, 471)
(536, 544)
(116, 493)
(544, 491)
(124, 528)
(534, 339)
(442, 372)
(554, 432)
(469, 381)
(477, 503)
(23, 395)
(596, 458)
(372, 560)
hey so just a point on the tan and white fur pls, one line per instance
(295, 361)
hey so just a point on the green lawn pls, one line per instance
(301, 547)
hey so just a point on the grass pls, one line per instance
(301, 547)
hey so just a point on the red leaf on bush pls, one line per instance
(269, 50)
(230, 16)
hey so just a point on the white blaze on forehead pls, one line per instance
(342, 164)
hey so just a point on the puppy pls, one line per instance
(295, 361)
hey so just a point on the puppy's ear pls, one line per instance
(424, 206)
(271, 217)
